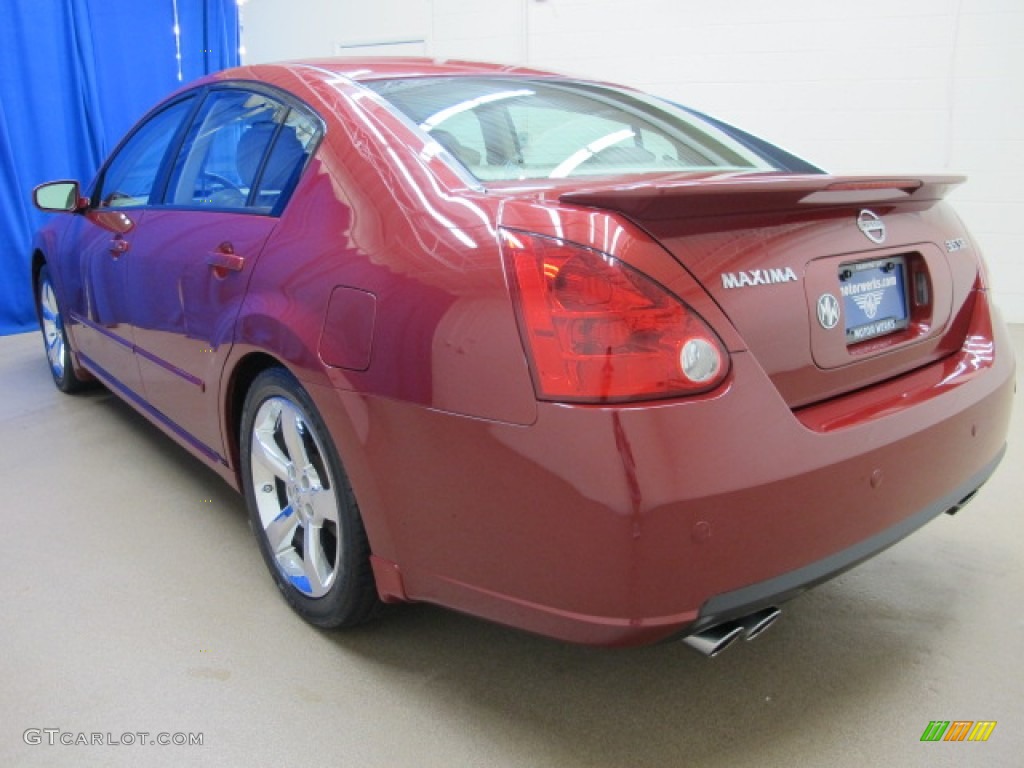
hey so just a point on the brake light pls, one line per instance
(597, 330)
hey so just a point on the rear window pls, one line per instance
(504, 129)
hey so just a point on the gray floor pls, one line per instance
(134, 600)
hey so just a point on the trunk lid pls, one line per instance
(833, 282)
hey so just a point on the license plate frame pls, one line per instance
(875, 299)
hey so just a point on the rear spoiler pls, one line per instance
(691, 196)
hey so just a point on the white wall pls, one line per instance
(276, 30)
(892, 86)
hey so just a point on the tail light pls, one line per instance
(597, 330)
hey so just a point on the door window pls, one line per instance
(244, 151)
(131, 175)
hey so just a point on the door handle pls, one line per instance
(224, 260)
(119, 246)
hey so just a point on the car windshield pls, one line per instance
(504, 129)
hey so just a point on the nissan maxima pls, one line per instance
(552, 352)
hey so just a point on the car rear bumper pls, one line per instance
(786, 586)
(624, 526)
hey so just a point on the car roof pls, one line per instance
(364, 69)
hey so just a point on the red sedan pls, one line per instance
(551, 352)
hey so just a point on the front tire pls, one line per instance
(55, 336)
(301, 506)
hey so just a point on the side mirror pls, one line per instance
(59, 197)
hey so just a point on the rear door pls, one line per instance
(193, 258)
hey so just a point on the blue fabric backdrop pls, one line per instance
(74, 76)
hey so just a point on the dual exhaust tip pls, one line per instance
(713, 640)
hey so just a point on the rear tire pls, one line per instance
(301, 506)
(55, 336)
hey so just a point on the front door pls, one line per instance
(99, 309)
(98, 297)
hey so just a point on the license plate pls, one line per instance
(874, 298)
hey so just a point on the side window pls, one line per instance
(245, 150)
(292, 145)
(131, 175)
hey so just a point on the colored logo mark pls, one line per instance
(958, 730)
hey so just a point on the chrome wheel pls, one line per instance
(55, 336)
(53, 328)
(301, 505)
(295, 497)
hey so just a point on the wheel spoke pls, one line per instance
(55, 354)
(266, 451)
(291, 429)
(281, 531)
(314, 564)
(293, 570)
(324, 505)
